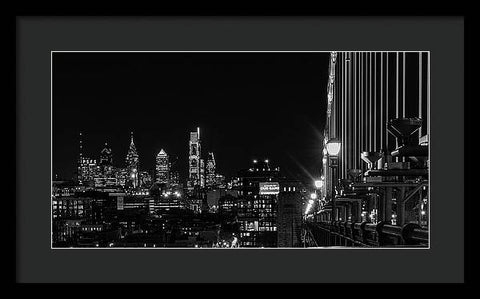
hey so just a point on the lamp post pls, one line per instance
(318, 186)
(333, 149)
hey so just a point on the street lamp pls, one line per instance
(318, 185)
(333, 149)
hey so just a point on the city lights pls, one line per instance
(309, 206)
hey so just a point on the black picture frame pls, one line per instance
(443, 263)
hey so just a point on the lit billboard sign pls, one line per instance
(267, 188)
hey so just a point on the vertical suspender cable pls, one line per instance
(370, 116)
(342, 91)
(332, 120)
(387, 115)
(355, 126)
(428, 134)
(332, 113)
(333, 116)
(367, 103)
(367, 116)
(347, 123)
(396, 88)
(344, 134)
(360, 103)
(351, 111)
(347, 104)
(428, 110)
(403, 81)
(420, 81)
(345, 99)
(342, 86)
(375, 102)
(362, 98)
(381, 100)
(397, 103)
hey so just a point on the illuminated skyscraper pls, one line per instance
(132, 163)
(87, 168)
(79, 162)
(210, 171)
(106, 161)
(174, 176)
(105, 175)
(194, 160)
(162, 168)
(202, 173)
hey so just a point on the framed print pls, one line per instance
(254, 146)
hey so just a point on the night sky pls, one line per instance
(248, 106)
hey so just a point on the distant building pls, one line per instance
(220, 181)
(162, 168)
(213, 196)
(145, 179)
(257, 206)
(106, 175)
(63, 188)
(228, 204)
(194, 160)
(132, 164)
(234, 183)
(174, 175)
(174, 179)
(121, 175)
(202, 173)
(88, 170)
(106, 159)
(289, 218)
(210, 171)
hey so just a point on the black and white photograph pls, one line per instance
(240, 149)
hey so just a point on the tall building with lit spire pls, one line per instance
(132, 163)
(162, 168)
(79, 162)
(87, 168)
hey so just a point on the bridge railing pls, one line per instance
(364, 234)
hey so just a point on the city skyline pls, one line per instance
(83, 85)
(106, 153)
